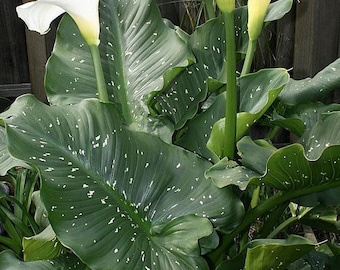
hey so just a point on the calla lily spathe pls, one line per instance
(38, 16)
(257, 10)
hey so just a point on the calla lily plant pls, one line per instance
(257, 10)
(166, 175)
(38, 16)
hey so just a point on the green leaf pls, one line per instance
(198, 129)
(309, 114)
(7, 162)
(10, 262)
(180, 100)
(323, 134)
(42, 246)
(246, 149)
(278, 9)
(289, 171)
(107, 189)
(257, 93)
(315, 140)
(228, 172)
(40, 214)
(311, 89)
(294, 125)
(314, 260)
(323, 218)
(269, 254)
(277, 254)
(137, 47)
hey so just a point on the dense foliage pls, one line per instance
(144, 180)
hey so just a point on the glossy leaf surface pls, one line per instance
(109, 195)
(136, 48)
(311, 89)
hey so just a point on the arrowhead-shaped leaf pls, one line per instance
(137, 48)
(118, 198)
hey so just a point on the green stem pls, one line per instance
(210, 9)
(101, 85)
(272, 132)
(231, 102)
(255, 197)
(283, 225)
(289, 221)
(274, 201)
(249, 57)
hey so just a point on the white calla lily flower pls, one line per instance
(38, 16)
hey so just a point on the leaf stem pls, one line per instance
(101, 85)
(231, 101)
(249, 57)
(274, 201)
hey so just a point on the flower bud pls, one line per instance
(257, 10)
(226, 5)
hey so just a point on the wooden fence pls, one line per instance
(307, 39)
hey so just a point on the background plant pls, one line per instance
(143, 179)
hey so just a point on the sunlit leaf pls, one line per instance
(118, 197)
(42, 246)
(136, 47)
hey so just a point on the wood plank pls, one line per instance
(285, 40)
(169, 10)
(316, 36)
(14, 90)
(13, 55)
(37, 58)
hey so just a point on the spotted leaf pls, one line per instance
(311, 89)
(137, 47)
(118, 198)
(258, 91)
(180, 100)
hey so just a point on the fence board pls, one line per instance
(13, 56)
(316, 36)
(315, 45)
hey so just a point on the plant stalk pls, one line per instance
(276, 200)
(231, 101)
(101, 85)
(210, 9)
(249, 57)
